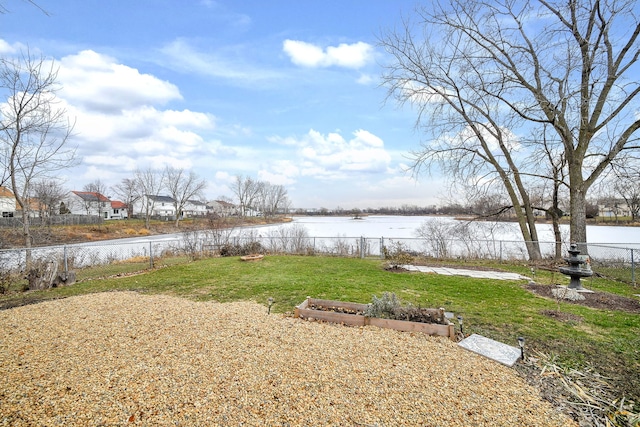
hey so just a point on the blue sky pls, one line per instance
(282, 91)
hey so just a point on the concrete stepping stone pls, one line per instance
(495, 350)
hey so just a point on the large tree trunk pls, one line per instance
(26, 232)
(578, 221)
(533, 246)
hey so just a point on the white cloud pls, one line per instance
(275, 178)
(468, 135)
(98, 83)
(332, 157)
(182, 56)
(280, 172)
(289, 140)
(355, 55)
(120, 124)
(366, 79)
(11, 49)
(304, 54)
(224, 176)
(98, 162)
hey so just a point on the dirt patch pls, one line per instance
(561, 316)
(344, 310)
(596, 299)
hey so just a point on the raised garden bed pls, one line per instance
(351, 313)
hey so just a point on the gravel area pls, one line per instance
(121, 358)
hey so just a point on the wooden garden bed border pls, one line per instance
(304, 312)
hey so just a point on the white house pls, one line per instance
(164, 207)
(93, 203)
(118, 210)
(221, 208)
(159, 206)
(614, 208)
(194, 208)
(7, 202)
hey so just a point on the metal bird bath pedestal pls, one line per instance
(578, 267)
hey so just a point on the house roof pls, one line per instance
(91, 196)
(224, 204)
(5, 192)
(165, 199)
(117, 204)
(196, 203)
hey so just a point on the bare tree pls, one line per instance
(551, 172)
(183, 187)
(246, 190)
(484, 71)
(629, 189)
(48, 195)
(96, 186)
(35, 132)
(127, 191)
(437, 236)
(148, 182)
(271, 198)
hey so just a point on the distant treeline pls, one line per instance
(403, 210)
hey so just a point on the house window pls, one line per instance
(115, 211)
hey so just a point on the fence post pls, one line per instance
(382, 247)
(500, 250)
(66, 265)
(150, 255)
(362, 247)
(633, 269)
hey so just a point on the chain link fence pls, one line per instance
(42, 221)
(58, 264)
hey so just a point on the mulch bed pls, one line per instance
(597, 299)
(122, 358)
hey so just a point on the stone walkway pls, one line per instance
(479, 274)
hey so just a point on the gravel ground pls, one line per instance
(122, 358)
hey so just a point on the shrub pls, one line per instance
(248, 248)
(384, 307)
(389, 307)
(229, 250)
(398, 255)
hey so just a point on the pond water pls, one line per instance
(390, 226)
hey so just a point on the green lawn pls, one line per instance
(502, 310)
